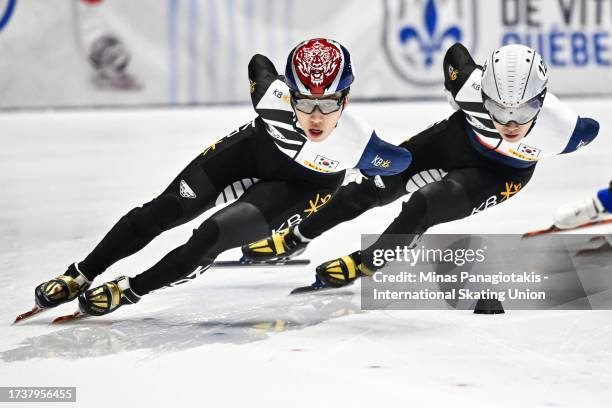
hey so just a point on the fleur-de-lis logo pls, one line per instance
(418, 33)
(431, 40)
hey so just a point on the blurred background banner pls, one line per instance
(84, 53)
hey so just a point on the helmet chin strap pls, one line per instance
(341, 110)
(532, 123)
(296, 123)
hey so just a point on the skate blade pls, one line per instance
(553, 229)
(280, 262)
(312, 289)
(69, 318)
(24, 316)
(536, 233)
(303, 289)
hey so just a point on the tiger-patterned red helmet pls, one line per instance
(319, 67)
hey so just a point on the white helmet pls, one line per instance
(514, 80)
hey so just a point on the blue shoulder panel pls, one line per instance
(383, 158)
(585, 131)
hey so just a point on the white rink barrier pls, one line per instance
(197, 51)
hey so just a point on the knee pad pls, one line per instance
(446, 200)
(203, 239)
(433, 204)
(413, 218)
(236, 225)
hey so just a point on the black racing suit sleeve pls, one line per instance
(458, 66)
(261, 74)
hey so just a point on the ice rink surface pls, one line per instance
(234, 337)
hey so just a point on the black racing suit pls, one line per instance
(448, 178)
(269, 186)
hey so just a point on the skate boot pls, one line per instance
(107, 297)
(574, 214)
(62, 289)
(280, 245)
(343, 271)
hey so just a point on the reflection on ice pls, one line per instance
(84, 339)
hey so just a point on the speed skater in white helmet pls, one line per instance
(514, 81)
